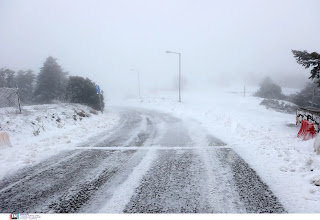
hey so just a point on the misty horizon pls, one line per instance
(222, 43)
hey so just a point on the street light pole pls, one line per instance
(179, 77)
(179, 72)
(138, 81)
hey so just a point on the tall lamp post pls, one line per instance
(179, 72)
(138, 80)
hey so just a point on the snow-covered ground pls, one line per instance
(44, 130)
(265, 138)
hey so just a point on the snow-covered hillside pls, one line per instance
(265, 138)
(43, 130)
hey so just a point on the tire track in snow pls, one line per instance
(59, 182)
(126, 190)
(172, 185)
(222, 195)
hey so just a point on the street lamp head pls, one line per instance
(172, 52)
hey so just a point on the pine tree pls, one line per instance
(83, 91)
(309, 60)
(25, 81)
(268, 89)
(51, 82)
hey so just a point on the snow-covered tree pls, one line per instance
(51, 82)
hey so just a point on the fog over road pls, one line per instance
(150, 163)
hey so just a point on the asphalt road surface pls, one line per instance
(150, 163)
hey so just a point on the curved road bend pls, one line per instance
(150, 163)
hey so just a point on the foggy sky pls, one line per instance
(221, 42)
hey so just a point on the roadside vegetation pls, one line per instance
(309, 96)
(51, 85)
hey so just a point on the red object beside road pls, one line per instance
(306, 130)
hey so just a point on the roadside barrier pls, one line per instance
(4, 139)
(307, 130)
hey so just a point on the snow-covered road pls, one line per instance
(151, 162)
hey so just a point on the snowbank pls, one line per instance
(265, 138)
(43, 130)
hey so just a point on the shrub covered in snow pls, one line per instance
(83, 91)
(268, 89)
(280, 106)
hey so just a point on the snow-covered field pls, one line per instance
(43, 130)
(265, 138)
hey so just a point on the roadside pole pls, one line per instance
(18, 98)
(100, 103)
(99, 94)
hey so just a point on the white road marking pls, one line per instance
(152, 148)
